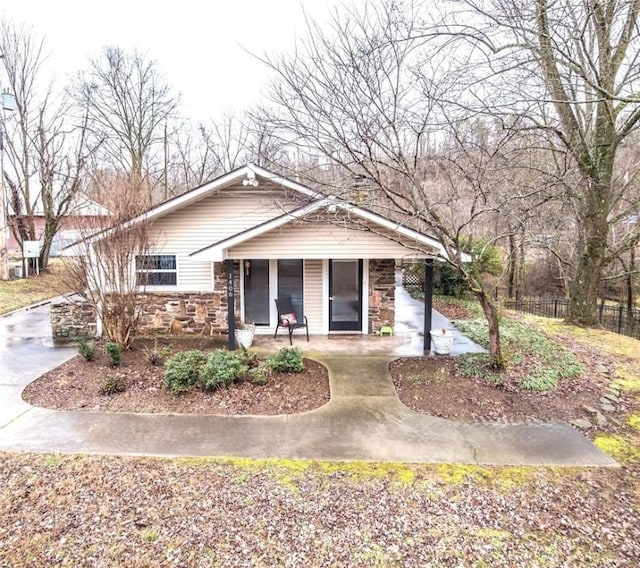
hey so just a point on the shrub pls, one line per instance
(86, 349)
(182, 370)
(260, 374)
(113, 384)
(114, 352)
(287, 360)
(157, 355)
(223, 368)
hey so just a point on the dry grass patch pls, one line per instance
(22, 292)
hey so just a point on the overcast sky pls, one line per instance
(198, 45)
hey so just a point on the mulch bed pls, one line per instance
(76, 385)
(434, 385)
(430, 385)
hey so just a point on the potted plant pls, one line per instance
(245, 332)
(442, 340)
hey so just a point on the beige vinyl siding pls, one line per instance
(313, 300)
(206, 222)
(318, 241)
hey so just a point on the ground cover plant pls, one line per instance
(571, 376)
(538, 362)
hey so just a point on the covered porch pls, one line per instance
(408, 339)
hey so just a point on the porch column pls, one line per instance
(231, 301)
(428, 302)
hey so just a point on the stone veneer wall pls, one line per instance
(72, 320)
(382, 288)
(202, 313)
(206, 312)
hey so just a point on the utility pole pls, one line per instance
(166, 163)
(8, 103)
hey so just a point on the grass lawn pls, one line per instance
(23, 292)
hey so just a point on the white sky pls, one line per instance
(198, 45)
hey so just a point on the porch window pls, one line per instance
(290, 283)
(156, 270)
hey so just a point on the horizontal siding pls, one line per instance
(324, 240)
(313, 300)
(206, 222)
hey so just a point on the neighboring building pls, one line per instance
(84, 213)
(235, 244)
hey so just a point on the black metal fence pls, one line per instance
(614, 318)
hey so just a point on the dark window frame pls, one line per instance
(158, 270)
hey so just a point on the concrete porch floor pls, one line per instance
(407, 341)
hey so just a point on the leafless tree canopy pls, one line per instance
(128, 104)
(469, 115)
(45, 151)
(369, 96)
(569, 70)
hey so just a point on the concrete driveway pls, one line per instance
(26, 352)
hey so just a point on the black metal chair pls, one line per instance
(288, 319)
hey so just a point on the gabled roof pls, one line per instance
(215, 252)
(248, 171)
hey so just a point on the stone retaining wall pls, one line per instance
(382, 291)
(72, 320)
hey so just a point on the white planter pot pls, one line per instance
(245, 337)
(442, 342)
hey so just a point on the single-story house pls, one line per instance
(226, 250)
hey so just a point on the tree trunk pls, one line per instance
(629, 282)
(50, 229)
(592, 247)
(490, 310)
(583, 299)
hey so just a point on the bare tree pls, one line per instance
(193, 159)
(200, 153)
(361, 97)
(571, 70)
(107, 258)
(46, 152)
(128, 103)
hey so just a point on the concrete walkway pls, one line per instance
(363, 421)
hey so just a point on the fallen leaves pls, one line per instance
(108, 511)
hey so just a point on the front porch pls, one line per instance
(407, 341)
